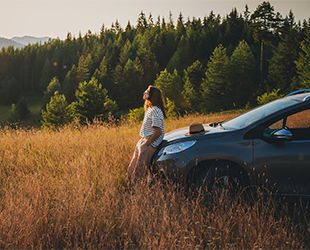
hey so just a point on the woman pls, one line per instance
(152, 133)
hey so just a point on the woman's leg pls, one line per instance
(133, 163)
(145, 154)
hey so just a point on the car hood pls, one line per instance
(182, 133)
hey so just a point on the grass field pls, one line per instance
(66, 189)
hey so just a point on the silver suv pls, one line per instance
(269, 146)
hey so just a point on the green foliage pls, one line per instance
(282, 68)
(9, 90)
(215, 87)
(58, 112)
(171, 87)
(126, 61)
(172, 110)
(136, 115)
(130, 82)
(93, 101)
(83, 73)
(193, 76)
(263, 21)
(182, 56)
(302, 64)
(20, 111)
(241, 75)
(46, 74)
(52, 87)
(269, 96)
(70, 84)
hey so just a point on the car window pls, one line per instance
(298, 124)
(299, 120)
(277, 125)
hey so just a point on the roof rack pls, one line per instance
(298, 92)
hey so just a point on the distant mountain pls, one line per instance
(4, 43)
(19, 42)
(25, 40)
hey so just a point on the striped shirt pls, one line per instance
(153, 117)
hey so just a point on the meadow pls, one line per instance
(66, 188)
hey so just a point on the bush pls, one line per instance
(136, 115)
(172, 110)
(269, 96)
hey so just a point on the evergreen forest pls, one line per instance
(201, 65)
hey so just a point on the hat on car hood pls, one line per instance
(196, 129)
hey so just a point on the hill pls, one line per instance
(4, 43)
(20, 42)
(25, 40)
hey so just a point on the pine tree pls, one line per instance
(46, 74)
(264, 24)
(58, 112)
(242, 76)
(70, 84)
(193, 77)
(215, 87)
(93, 101)
(302, 64)
(282, 69)
(83, 73)
(52, 87)
(171, 87)
(148, 61)
(182, 57)
(130, 85)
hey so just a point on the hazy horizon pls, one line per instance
(43, 18)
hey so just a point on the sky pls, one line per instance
(55, 18)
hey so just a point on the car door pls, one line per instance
(285, 163)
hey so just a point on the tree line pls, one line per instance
(201, 65)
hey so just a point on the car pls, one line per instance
(269, 145)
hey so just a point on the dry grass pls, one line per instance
(66, 189)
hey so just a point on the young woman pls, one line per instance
(152, 133)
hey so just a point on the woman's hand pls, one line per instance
(155, 135)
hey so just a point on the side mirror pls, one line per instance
(282, 134)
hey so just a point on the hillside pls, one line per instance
(25, 40)
(19, 42)
(4, 43)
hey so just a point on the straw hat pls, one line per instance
(196, 129)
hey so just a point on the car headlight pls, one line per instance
(176, 148)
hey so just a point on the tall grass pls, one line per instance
(66, 189)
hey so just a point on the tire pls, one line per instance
(218, 179)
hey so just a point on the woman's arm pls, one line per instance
(155, 135)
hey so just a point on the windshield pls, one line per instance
(259, 113)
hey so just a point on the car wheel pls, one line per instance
(218, 179)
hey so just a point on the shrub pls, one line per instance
(172, 110)
(136, 115)
(268, 97)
